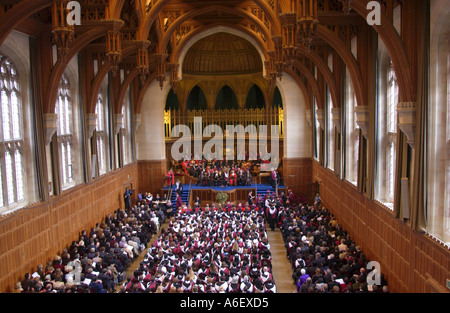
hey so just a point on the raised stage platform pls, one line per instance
(236, 194)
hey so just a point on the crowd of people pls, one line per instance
(323, 256)
(98, 260)
(214, 172)
(208, 250)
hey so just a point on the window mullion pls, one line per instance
(10, 117)
(1, 122)
(14, 173)
(3, 178)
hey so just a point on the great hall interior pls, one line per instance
(357, 92)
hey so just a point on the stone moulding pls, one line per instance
(309, 117)
(320, 113)
(91, 123)
(407, 120)
(50, 120)
(336, 118)
(362, 119)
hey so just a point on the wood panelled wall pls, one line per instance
(410, 261)
(151, 175)
(297, 176)
(34, 235)
(236, 196)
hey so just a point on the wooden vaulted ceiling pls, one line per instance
(165, 26)
(222, 54)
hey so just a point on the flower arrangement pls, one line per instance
(221, 197)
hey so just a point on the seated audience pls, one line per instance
(207, 250)
(210, 251)
(323, 256)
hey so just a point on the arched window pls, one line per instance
(351, 133)
(391, 119)
(330, 132)
(226, 99)
(316, 130)
(255, 98)
(126, 134)
(386, 128)
(65, 131)
(101, 109)
(172, 101)
(12, 138)
(277, 100)
(196, 99)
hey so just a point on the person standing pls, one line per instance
(178, 187)
(179, 202)
(273, 178)
(272, 216)
(250, 198)
(233, 178)
(170, 178)
(127, 198)
(317, 201)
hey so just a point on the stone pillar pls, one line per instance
(297, 137)
(150, 137)
(297, 134)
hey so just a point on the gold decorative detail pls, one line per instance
(307, 21)
(142, 59)
(114, 45)
(161, 69)
(173, 68)
(289, 31)
(63, 33)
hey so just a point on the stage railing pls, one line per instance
(189, 204)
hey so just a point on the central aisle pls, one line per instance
(281, 268)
